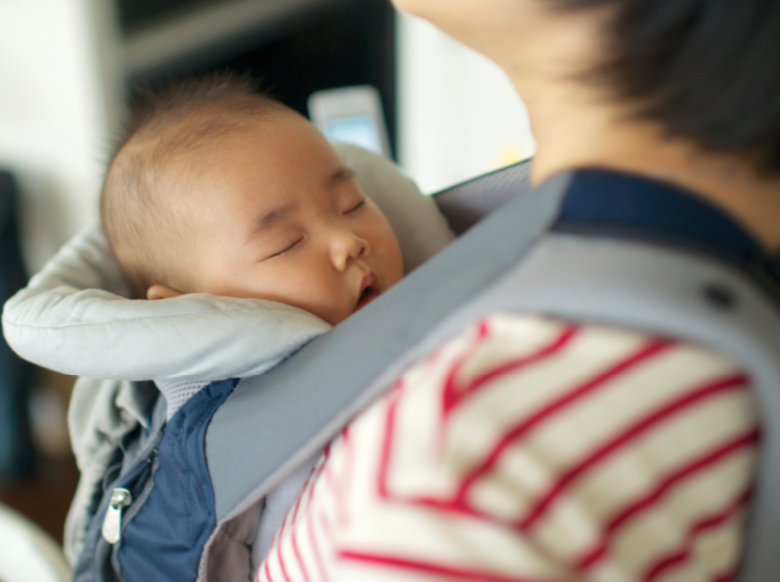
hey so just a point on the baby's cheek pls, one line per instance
(385, 241)
(393, 260)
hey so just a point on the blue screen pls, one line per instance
(360, 130)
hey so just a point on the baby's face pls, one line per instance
(278, 216)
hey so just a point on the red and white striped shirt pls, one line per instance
(532, 450)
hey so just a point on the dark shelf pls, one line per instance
(341, 43)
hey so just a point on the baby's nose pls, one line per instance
(346, 246)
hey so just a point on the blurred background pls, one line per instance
(65, 70)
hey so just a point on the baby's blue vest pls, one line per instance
(589, 246)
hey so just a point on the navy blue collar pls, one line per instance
(639, 207)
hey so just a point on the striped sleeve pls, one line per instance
(532, 450)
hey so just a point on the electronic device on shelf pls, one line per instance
(352, 115)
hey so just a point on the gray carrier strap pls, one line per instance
(505, 264)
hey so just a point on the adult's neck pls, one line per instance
(575, 128)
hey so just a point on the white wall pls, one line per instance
(458, 114)
(60, 91)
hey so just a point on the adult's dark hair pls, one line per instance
(708, 70)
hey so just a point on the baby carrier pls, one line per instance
(183, 497)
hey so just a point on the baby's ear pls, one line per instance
(161, 292)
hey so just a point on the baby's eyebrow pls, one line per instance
(271, 218)
(341, 174)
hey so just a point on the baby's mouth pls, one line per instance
(369, 292)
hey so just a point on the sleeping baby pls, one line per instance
(218, 189)
(221, 190)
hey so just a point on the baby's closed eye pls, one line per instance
(287, 248)
(358, 206)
